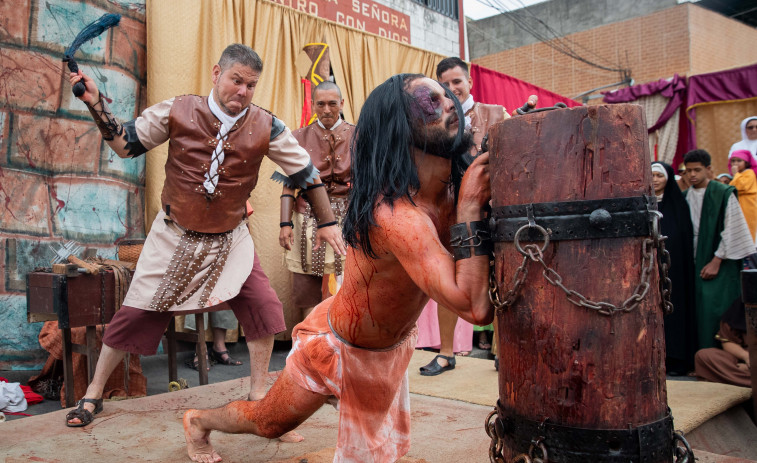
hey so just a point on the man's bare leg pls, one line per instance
(447, 322)
(260, 357)
(284, 408)
(106, 363)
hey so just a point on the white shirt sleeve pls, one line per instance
(735, 240)
(287, 153)
(152, 124)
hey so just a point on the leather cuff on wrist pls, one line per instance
(477, 239)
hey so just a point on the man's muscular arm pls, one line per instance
(122, 138)
(409, 234)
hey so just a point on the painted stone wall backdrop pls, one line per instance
(59, 181)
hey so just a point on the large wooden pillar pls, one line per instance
(574, 381)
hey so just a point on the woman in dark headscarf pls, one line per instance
(681, 325)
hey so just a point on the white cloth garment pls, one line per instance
(745, 143)
(227, 123)
(658, 168)
(12, 397)
(735, 240)
(467, 106)
(333, 127)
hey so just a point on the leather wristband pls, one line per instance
(107, 123)
(286, 224)
(320, 203)
(287, 205)
(327, 224)
(478, 239)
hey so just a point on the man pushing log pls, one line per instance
(356, 346)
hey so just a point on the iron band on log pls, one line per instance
(580, 307)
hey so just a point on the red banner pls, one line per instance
(364, 15)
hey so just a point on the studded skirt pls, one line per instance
(180, 270)
(302, 258)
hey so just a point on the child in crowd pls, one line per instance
(745, 182)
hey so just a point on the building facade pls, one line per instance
(428, 24)
(659, 40)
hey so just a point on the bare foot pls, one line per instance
(198, 441)
(291, 437)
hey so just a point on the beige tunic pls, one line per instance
(152, 128)
(156, 256)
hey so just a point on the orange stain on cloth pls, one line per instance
(372, 387)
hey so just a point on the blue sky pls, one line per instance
(477, 9)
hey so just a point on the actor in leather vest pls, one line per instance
(193, 134)
(199, 252)
(327, 141)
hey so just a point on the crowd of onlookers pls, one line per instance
(710, 221)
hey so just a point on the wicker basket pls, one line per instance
(129, 250)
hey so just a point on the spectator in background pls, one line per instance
(730, 363)
(327, 141)
(456, 335)
(681, 325)
(724, 178)
(681, 180)
(748, 139)
(721, 241)
(745, 182)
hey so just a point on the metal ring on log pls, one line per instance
(539, 228)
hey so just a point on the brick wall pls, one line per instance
(654, 46)
(58, 180)
(718, 42)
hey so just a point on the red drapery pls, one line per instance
(493, 87)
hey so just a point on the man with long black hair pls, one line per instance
(400, 221)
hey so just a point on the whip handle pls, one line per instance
(79, 87)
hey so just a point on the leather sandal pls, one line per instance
(433, 368)
(194, 363)
(84, 415)
(218, 357)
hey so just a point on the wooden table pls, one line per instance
(87, 300)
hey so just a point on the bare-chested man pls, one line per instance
(400, 222)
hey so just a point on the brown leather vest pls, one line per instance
(482, 116)
(329, 151)
(193, 129)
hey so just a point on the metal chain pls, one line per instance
(498, 444)
(681, 449)
(663, 261)
(534, 253)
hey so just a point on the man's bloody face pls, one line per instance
(435, 120)
(327, 105)
(697, 174)
(431, 107)
(234, 87)
(457, 80)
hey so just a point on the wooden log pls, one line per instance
(560, 363)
